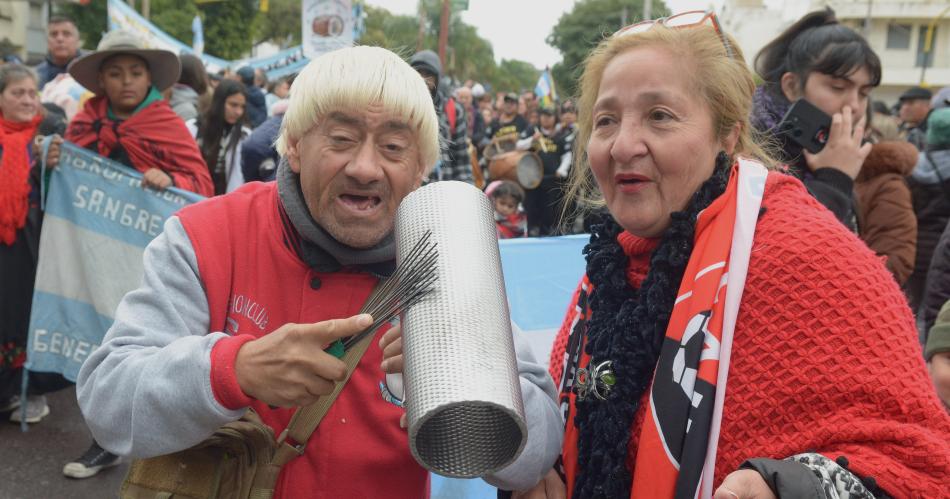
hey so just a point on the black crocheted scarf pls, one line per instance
(627, 327)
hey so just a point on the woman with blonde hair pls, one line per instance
(730, 338)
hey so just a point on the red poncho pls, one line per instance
(154, 137)
(825, 357)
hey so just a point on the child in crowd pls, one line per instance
(507, 197)
(937, 354)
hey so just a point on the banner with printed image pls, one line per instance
(327, 25)
(284, 62)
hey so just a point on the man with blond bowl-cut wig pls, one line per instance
(243, 292)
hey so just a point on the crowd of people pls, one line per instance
(825, 322)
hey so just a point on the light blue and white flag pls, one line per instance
(545, 90)
(98, 220)
(541, 274)
(197, 36)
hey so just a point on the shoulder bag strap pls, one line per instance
(292, 442)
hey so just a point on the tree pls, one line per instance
(174, 17)
(229, 26)
(227, 22)
(515, 75)
(280, 24)
(581, 29)
(393, 32)
(469, 55)
(92, 20)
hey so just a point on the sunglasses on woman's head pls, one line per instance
(687, 19)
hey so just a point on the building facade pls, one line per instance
(23, 24)
(896, 30)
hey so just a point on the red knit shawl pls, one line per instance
(154, 137)
(825, 358)
(15, 174)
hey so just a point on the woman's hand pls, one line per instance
(550, 487)
(156, 179)
(391, 345)
(52, 158)
(744, 484)
(843, 151)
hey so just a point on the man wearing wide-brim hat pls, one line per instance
(129, 122)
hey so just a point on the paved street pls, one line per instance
(31, 463)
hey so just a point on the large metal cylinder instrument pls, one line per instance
(462, 390)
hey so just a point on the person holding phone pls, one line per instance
(704, 357)
(834, 69)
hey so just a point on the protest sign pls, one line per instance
(98, 220)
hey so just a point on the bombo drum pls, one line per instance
(497, 147)
(523, 167)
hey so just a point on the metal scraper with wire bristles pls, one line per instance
(412, 280)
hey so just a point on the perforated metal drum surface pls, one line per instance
(463, 395)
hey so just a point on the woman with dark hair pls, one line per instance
(188, 95)
(834, 68)
(220, 132)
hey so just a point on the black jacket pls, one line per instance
(256, 106)
(932, 206)
(259, 157)
(937, 290)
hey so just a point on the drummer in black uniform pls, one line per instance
(503, 132)
(542, 204)
(509, 126)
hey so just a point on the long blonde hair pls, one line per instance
(725, 84)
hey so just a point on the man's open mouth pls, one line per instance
(360, 203)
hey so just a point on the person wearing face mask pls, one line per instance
(730, 338)
(220, 132)
(832, 67)
(21, 119)
(454, 162)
